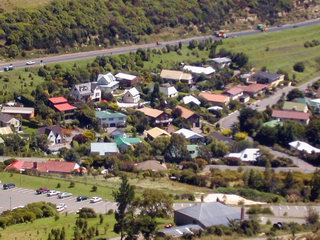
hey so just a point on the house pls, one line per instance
(254, 89)
(157, 117)
(107, 82)
(192, 136)
(116, 132)
(207, 71)
(207, 215)
(180, 231)
(191, 117)
(127, 80)
(193, 150)
(301, 117)
(272, 79)
(61, 167)
(246, 77)
(86, 92)
(173, 76)
(234, 93)
(221, 62)
(124, 143)
(131, 96)
(247, 155)
(7, 120)
(60, 104)
(151, 165)
(295, 106)
(108, 119)
(215, 99)
(218, 136)
(53, 134)
(24, 112)
(244, 98)
(157, 132)
(303, 147)
(104, 148)
(190, 100)
(168, 91)
(5, 131)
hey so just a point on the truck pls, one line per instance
(221, 33)
(262, 28)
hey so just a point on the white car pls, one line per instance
(64, 195)
(30, 63)
(53, 193)
(95, 199)
(61, 206)
(17, 207)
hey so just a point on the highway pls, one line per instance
(133, 48)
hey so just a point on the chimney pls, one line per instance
(242, 213)
(35, 165)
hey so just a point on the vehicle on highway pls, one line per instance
(8, 68)
(53, 193)
(42, 190)
(61, 206)
(95, 199)
(8, 186)
(30, 63)
(64, 195)
(18, 207)
(82, 198)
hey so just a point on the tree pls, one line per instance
(315, 186)
(299, 67)
(250, 120)
(290, 131)
(72, 156)
(124, 198)
(177, 150)
(313, 132)
(313, 216)
(294, 93)
(13, 51)
(218, 148)
(267, 136)
(146, 225)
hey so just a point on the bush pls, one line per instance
(299, 67)
(87, 213)
(72, 184)
(94, 188)
(259, 210)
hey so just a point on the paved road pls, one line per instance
(133, 48)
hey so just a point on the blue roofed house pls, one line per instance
(108, 119)
(104, 148)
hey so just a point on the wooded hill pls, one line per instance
(69, 23)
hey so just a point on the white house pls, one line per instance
(104, 148)
(199, 70)
(221, 62)
(303, 147)
(190, 135)
(89, 91)
(168, 91)
(107, 82)
(131, 96)
(247, 155)
(53, 134)
(190, 99)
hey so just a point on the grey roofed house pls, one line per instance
(179, 231)
(5, 118)
(221, 138)
(56, 130)
(104, 148)
(207, 215)
(266, 77)
(86, 89)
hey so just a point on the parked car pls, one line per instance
(30, 63)
(8, 68)
(61, 206)
(42, 191)
(53, 193)
(95, 199)
(82, 198)
(8, 186)
(64, 195)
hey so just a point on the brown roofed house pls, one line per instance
(151, 165)
(157, 132)
(234, 93)
(301, 117)
(157, 117)
(174, 76)
(254, 89)
(191, 117)
(215, 99)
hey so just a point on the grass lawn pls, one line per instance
(281, 50)
(10, 5)
(83, 185)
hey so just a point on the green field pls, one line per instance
(10, 5)
(281, 50)
(83, 185)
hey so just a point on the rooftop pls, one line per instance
(221, 60)
(5, 130)
(253, 88)
(58, 100)
(133, 91)
(175, 75)
(64, 107)
(125, 76)
(120, 140)
(214, 97)
(290, 115)
(157, 132)
(109, 114)
(273, 123)
(102, 148)
(234, 91)
(185, 113)
(190, 99)
(5, 118)
(17, 110)
(188, 133)
(150, 112)
(303, 146)
(199, 70)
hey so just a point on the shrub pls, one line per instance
(87, 213)
(72, 184)
(299, 67)
(259, 210)
(94, 188)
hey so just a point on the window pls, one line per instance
(121, 118)
(111, 119)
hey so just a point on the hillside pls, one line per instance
(65, 24)
(11, 5)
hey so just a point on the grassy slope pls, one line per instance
(9, 5)
(285, 49)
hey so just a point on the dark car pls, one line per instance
(8, 186)
(42, 191)
(82, 198)
(8, 68)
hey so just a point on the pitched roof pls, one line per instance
(269, 77)
(273, 123)
(105, 79)
(248, 154)
(185, 113)
(253, 88)
(46, 130)
(109, 114)
(125, 76)
(133, 91)
(210, 214)
(64, 107)
(151, 112)
(234, 91)
(221, 60)
(303, 146)
(5, 130)
(85, 89)
(190, 99)
(175, 75)
(157, 132)
(58, 100)
(294, 106)
(199, 70)
(5, 118)
(102, 148)
(128, 141)
(220, 137)
(152, 165)
(214, 97)
(290, 115)
(188, 133)
(168, 90)
(17, 110)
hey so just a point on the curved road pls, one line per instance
(133, 48)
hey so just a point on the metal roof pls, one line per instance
(181, 230)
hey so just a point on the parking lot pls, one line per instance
(16, 197)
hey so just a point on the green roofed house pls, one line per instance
(193, 150)
(108, 119)
(295, 106)
(124, 143)
(273, 123)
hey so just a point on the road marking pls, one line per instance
(114, 204)
(288, 207)
(305, 208)
(296, 207)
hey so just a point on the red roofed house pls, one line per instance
(191, 117)
(234, 93)
(215, 99)
(61, 104)
(301, 117)
(45, 167)
(254, 89)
